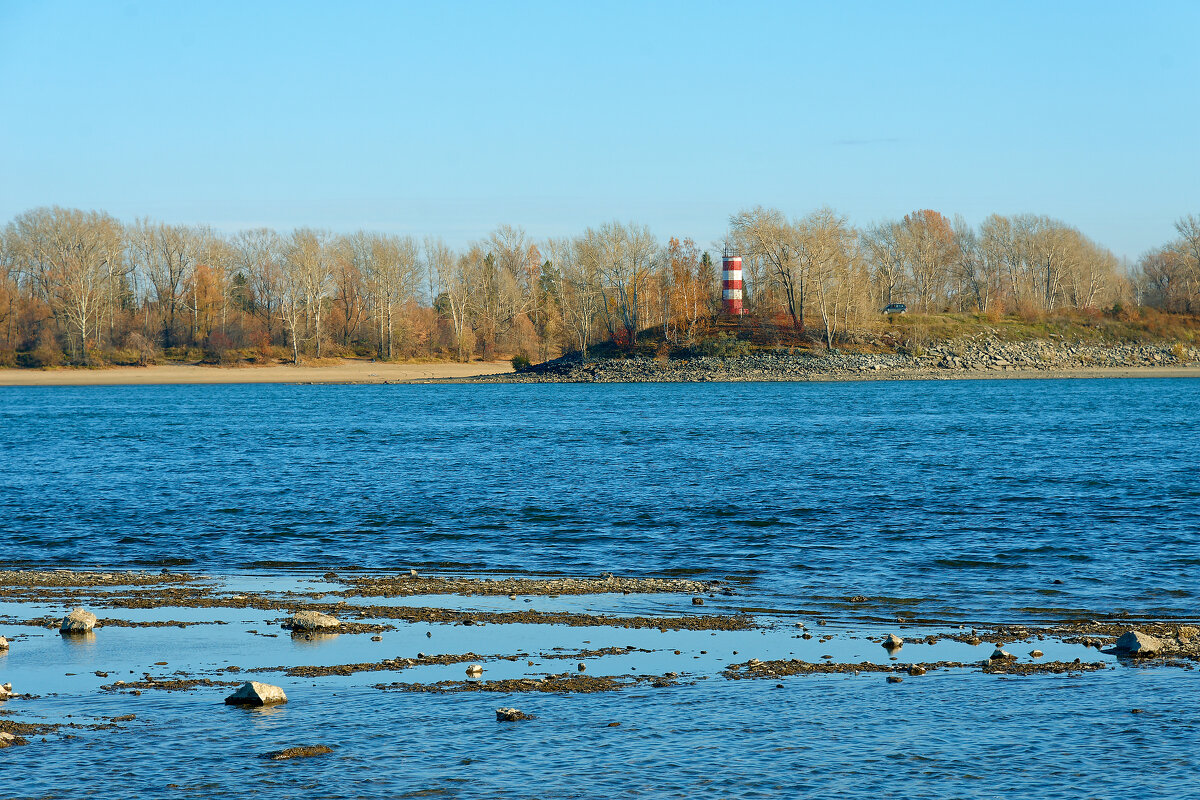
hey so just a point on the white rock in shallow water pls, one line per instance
(3, 643)
(253, 693)
(892, 641)
(475, 669)
(1136, 643)
(998, 655)
(78, 621)
(6, 691)
(311, 621)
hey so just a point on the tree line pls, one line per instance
(82, 287)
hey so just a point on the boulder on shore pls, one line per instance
(253, 693)
(1138, 644)
(78, 621)
(311, 621)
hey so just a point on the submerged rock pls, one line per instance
(311, 621)
(253, 693)
(306, 751)
(78, 621)
(916, 669)
(895, 679)
(1138, 644)
(892, 641)
(511, 715)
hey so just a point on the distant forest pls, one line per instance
(80, 287)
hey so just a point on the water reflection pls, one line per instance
(312, 639)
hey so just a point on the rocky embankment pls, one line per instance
(947, 359)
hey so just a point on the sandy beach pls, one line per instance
(347, 371)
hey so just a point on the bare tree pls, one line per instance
(766, 235)
(623, 257)
(77, 254)
(307, 257)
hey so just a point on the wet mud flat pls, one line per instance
(167, 649)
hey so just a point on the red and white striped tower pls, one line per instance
(731, 284)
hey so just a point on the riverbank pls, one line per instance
(987, 358)
(346, 371)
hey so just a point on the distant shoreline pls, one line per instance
(501, 372)
(1192, 371)
(345, 372)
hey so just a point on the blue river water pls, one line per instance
(967, 499)
(948, 502)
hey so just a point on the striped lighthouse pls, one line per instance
(731, 284)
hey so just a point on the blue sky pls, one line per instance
(451, 118)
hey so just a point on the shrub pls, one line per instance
(8, 358)
(520, 361)
(44, 355)
(724, 345)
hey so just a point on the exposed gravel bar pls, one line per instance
(409, 585)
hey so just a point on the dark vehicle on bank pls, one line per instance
(895, 308)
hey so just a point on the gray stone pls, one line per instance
(311, 621)
(78, 621)
(892, 641)
(916, 669)
(253, 693)
(1000, 655)
(1136, 643)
